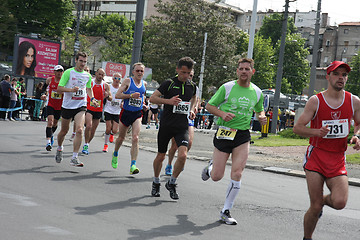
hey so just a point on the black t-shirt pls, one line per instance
(185, 90)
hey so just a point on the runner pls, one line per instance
(179, 97)
(154, 110)
(132, 90)
(112, 112)
(53, 108)
(234, 103)
(330, 113)
(75, 84)
(101, 90)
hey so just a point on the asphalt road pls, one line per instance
(40, 199)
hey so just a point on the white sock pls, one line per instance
(107, 136)
(231, 193)
(75, 154)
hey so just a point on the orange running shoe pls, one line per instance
(111, 138)
(106, 148)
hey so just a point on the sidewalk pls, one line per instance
(282, 160)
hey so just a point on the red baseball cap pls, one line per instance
(335, 64)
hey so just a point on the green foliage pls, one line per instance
(68, 45)
(7, 28)
(296, 69)
(272, 27)
(278, 141)
(179, 32)
(118, 33)
(353, 83)
(288, 133)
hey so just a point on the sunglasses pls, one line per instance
(117, 78)
(139, 70)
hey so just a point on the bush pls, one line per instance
(288, 133)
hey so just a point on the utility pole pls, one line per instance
(315, 52)
(252, 30)
(135, 57)
(202, 68)
(280, 69)
(76, 42)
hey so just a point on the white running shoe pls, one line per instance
(75, 162)
(205, 172)
(226, 218)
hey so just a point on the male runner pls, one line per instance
(234, 103)
(112, 112)
(330, 113)
(75, 84)
(53, 108)
(179, 97)
(132, 90)
(101, 90)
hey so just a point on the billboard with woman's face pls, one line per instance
(34, 57)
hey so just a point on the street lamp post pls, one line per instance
(77, 42)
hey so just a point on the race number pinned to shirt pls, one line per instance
(135, 102)
(55, 95)
(226, 133)
(79, 94)
(338, 128)
(182, 108)
(115, 102)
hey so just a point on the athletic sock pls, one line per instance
(60, 148)
(172, 180)
(53, 129)
(133, 162)
(75, 154)
(231, 193)
(107, 136)
(49, 132)
(116, 154)
(156, 179)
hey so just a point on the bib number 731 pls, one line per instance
(338, 128)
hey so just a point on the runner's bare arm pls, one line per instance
(123, 87)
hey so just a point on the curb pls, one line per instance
(278, 170)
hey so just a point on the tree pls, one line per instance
(118, 33)
(68, 45)
(7, 28)
(179, 32)
(272, 27)
(48, 18)
(353, 84)
(296, 70)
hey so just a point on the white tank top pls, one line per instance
(113, 107)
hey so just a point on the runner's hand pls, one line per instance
(227, 116)
(175, 100)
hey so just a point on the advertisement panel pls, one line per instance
(35, 57)
(124, 69)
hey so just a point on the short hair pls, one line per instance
(6, 76)
(138, 64)
(186, 61)
(82, 54)
(247, 60)
(117, 73)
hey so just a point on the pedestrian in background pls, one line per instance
(38, 102)
(13, 99)
(6, 90)
(330, 113)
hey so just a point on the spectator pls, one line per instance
(13, 99)
(6, 89)
(38, 101)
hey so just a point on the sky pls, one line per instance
(338, 12)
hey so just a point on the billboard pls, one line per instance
(35, 57)
(124, 69)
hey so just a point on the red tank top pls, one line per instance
(338, 121)
(99, 93)
(55, 99)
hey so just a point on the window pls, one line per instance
(326, 59)
(327, 43)
(346, 31)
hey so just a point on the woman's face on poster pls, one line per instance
(29, 58)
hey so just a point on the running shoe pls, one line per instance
(157, 126)
(106, 148)
(59, 156)
(226, 218)
(48, 147)
(85, 150)
(148, 127)
(134, 169)
(72, 137)
(52, 140)
(75, 162)
(205, 172)
(168, 170)
(155, 190)
(111, 138)
(172, 189)
(114, 162)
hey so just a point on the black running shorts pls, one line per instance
(181, 137)
(223, 145)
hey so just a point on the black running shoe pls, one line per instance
(172, 189)
(155, 190)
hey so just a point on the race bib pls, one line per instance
(98, 103)
(115, 103)
(226, 133)
(182, 108)
(135, 102)
(338, 128)
(79, 94)
(55, 95)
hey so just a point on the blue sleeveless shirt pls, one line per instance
(134, 104)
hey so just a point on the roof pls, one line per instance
(350, 24)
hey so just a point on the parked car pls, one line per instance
(283, 100)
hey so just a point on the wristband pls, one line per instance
(131, 95)
(92, 99)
